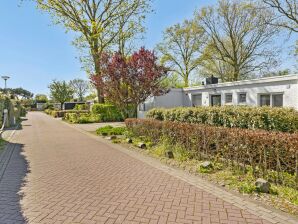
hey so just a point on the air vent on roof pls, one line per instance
(211, 80)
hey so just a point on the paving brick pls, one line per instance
(73, 178)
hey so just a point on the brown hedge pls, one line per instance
(263, 150)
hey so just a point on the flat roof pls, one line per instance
(246, 82)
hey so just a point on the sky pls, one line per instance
(33, 51)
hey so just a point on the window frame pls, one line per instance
(230, 94)
(192, 99)
(239, 97)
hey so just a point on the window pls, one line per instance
(142, 107)
(277, 100)
(229, 98)
(197, 100)
(265, 100)
(242, 98)
(216, 100)
(271, 99)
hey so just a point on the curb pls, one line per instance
(5, 156)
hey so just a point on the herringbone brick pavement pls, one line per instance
(73, 178)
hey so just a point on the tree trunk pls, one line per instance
(96, 54)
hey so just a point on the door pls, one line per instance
(216, 100)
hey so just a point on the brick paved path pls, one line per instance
(73, 178)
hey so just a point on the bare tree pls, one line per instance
(80, 87)
(239, 36)
(181, 47)
(288, 13)
(96, 22)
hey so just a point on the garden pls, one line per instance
(251, 150)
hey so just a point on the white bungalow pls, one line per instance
(278, 91)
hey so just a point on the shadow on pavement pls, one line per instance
(13, 170)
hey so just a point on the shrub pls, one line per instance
(81, 107)
(82, 118)
(261, 150)
(61, 113)
(108, 112)
(109, 130)
(267, 118)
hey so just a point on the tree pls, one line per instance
(277, 73)
(288, 11)
(172, 81)
(60, 91)
(80, 87)
(96, 22)
(240, 37)
(181, 47)
(41, 98)
(18, 93)
(129, 81)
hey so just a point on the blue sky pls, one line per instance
(34, 52)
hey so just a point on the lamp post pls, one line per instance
(5, 77)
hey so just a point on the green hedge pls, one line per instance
(267, 118)
(262, 150)
(108, 113)
(62, 113)
(82, 118)
(110, 130)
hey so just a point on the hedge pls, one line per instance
(62, 113)
(262, 150)
(82, 118)
(107, 112)
(267, 118)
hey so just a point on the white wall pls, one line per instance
(286, 85)
(289, 89)
(174, 98)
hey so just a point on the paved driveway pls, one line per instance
(71, 177)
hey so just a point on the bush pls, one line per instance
(82, 118)
(108, 113)
(267, 118)
(62, 113)
(81, 107)
(109, 130)
(261, 150)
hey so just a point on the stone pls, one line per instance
(262, 185)
(169, 154)
(206, 165)
(142, 145)
(129, 140)
(113, 137)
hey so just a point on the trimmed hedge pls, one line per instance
(267, 118)
(82, 118)
(262, 150)
(108, 113)
(62, 113)
(110, 130)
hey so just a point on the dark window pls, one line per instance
(242, 97)
(277, 100)
(229, 98)
(265, 100)
(216, 100)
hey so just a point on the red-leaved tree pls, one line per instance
(128, 82)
